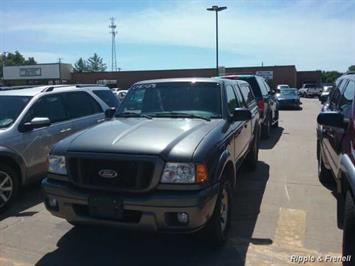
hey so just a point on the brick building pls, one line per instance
(286, 74)
(277, 75)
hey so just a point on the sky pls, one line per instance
(166, 34)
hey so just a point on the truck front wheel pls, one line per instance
(349, 227)
(216, 231)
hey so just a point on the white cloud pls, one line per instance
(297, 33)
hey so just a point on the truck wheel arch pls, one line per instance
(347, 174)
(226, 165)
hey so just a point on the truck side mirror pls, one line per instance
(241, 114)
(110, 112)
(332, 119)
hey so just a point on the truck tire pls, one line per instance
(266, 129)
(216, 231)
(340, 211)
(349, 228)
(276, 124)
(325, 175)
(9, 185)
(253, 155)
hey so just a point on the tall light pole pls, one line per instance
(216, 9)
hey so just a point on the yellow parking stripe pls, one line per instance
(291, 228)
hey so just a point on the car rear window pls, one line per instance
(108, 97)
(254, 85)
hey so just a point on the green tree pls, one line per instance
(30, 61)
(96, 64)
(14, 59)
(351, 68)
(80, 65)
(330, 76)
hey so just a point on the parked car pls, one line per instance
(288, 98)
(309, 90)
(266, 101)
(336, 156)
(282, 86)
(33, 120)
(327, 90)
(167, 162)
(121, 95)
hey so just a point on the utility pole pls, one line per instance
(113, 32)
(60, 70)
(217, 9)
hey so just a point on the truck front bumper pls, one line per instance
(154, 211)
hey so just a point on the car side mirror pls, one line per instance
(37, 122)
(110, 112)
(323, 98)
(333, 119)
(241, 114)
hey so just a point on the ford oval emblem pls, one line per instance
(108, 173)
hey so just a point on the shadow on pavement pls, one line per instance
(29, 196)
(290, 108)
(275, 136)
(108, 246)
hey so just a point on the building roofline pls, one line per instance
(182, 69)
(44, 64)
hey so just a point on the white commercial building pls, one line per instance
(38, 74)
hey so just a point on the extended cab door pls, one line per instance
(247, 100)
(235, 130)
(341, 101)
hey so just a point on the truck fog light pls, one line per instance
(182, 217)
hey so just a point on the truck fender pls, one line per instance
(348, 170)
(17, 159)
(224, 160)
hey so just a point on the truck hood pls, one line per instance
(175, 138)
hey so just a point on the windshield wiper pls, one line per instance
(132, 114)
(181, 115)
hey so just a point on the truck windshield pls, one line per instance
(173, 99)
(10, 108)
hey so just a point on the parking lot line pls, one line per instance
(291, 227)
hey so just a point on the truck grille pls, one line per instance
(131, 175)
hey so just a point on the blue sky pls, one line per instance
(157, 34)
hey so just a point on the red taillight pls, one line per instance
(260, 104)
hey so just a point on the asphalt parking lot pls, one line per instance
(279, 210)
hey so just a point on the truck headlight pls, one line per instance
(184, 173)
(56, 165)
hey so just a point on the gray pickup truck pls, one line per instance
(166, 162)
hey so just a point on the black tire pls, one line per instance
(216, 231)
(276, 123)
(325, 175)
(349, 229)
(9, 186)
(340, 211)
(253, 155)
(266, 129)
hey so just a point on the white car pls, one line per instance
(120, 94)
(282, 86)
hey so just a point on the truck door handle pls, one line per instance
(65, 130)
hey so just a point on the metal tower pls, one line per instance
(113, 32)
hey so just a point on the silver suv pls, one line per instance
(33, 119)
